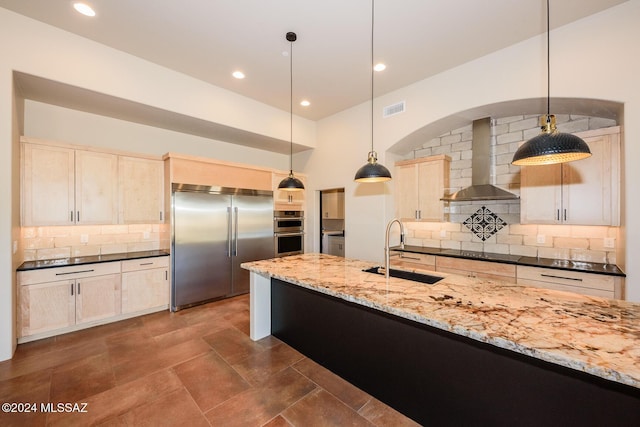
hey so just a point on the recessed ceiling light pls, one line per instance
(84, 9)
(305, 103)
(238, 74)
(379, 66)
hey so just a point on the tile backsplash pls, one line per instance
(581, 243)
(84, 240)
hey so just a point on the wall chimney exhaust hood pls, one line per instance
(480, 188)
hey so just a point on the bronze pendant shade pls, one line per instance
(291, 183)
(372, 171)
(550, 146)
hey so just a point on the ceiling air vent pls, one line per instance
(391, 110)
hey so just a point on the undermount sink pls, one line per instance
(408, 275)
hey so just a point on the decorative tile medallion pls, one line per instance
(484, 223)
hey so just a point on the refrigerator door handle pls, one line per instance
(229, 231)
(235, 237)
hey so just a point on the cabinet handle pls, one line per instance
(160, 215)
(78, 216)
(74, 272)
(146, 263)
(166, 275)
(565, 214)
(71, 218)
(558, 214)
(577, 279)
(78, 288)
(72, 289)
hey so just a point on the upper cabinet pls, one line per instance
(333, 205)
(584, 192)
(62, 186)
(141, 184)
(68, 185)
(419, 186)
(287, 200)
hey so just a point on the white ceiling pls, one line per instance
(208, 39)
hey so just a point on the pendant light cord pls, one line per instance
(548, 65)
(291, 108)
(373, 7)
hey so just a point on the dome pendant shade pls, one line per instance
(372, 171)
(551, 147)
(291, 183)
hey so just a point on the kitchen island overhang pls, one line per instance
(590, 336)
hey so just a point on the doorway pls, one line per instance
(332, 221)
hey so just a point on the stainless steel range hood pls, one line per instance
(480, 188)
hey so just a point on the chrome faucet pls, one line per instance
(386, 244)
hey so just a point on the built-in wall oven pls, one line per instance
(288, 230)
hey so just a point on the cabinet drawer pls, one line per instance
(447, 264)
(145, 263)
(66, 273)
(409, 260)
(567, 278)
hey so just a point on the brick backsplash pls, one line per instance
(584, 243)
(66, 241)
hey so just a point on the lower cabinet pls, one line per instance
(563, 280)
(58, 300)
(412, 261)
(145, 284)
(475, 268)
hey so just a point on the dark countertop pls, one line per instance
(93, 259)
(560, 264)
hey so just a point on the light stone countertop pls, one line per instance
(590, 334)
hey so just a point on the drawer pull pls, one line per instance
(74, 272)
(146, 263)
(561, 277)
(409, 257)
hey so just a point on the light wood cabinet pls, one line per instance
(584, 192)
(573, 281)
(145, 284)
(287, 200)
(141, 190)
(63, 186)
(333, 205)
(57, 299)
(476, 268)
(419, 185)
(412, 261)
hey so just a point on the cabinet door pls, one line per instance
(284, 200)
(145, 289)
(590, 185)
(141, 186)
(406, 192)
(47, 185)
(541, 194)
(431, 182)
(96, 188)
(97, 298)
(333, 205)
(46, 307)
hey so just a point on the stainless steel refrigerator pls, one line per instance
(215, 229)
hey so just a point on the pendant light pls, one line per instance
(550, 146)
(291, 183)
(372, 171)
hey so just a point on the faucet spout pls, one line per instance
(386, 243)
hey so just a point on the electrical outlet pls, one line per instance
(541, 238)
(84, 238)
(609, 242)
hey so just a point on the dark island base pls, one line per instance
(439, 378)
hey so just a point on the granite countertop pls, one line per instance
(92, 259)
(590, 334)
(559, 264)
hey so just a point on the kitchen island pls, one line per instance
(451, 350)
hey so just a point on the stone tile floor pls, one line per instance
(196, 367)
